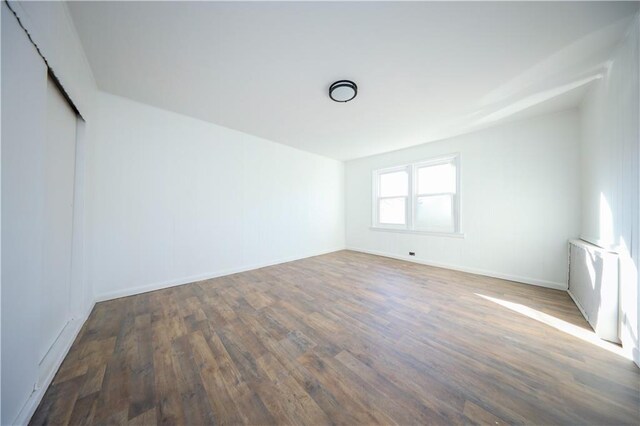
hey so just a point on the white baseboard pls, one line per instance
(62, 349)
(144, 288)
(493, 274)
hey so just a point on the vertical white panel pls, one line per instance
(81, 294)
(610, 167)
(24, 117)
(59, 172)
(24, 80)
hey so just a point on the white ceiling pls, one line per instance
(424, 70)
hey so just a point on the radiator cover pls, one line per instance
(593, 285)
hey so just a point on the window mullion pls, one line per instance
(392, 196)
(451, 194)
(411, 197)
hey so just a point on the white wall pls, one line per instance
(610, 163)
(520, 201)
(175, 199)
(52, 29)
(24, 85)
(24, 96)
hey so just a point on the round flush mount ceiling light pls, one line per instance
(343, 91)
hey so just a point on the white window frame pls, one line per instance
(376, 197)
(411, 200)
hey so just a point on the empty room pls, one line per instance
(320, 213)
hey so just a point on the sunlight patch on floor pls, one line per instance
(558, 324)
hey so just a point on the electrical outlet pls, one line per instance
(412, 253)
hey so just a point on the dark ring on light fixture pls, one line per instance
(343, 83)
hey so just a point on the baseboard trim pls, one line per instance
(145, 288)
(492, 274)
(30, 406)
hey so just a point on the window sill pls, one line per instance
(411, 231)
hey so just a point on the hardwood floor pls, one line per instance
(344, 338)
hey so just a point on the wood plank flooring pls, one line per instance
(344, 338)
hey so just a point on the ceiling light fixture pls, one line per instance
(343, 91)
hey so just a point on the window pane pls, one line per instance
(437, 179)
(394, 184)
(435, 213)
(391, 211)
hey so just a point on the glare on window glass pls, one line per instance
(437, 179)
(391, 211)
(434, 213)
(394, 184)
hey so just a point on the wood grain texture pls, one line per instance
(344, 338)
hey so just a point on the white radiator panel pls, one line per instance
(593, 285)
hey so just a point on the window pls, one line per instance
(419, 197)
(393, 197)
